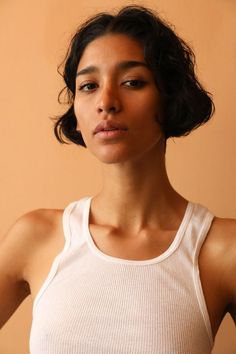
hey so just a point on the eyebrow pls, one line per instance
(123, 65)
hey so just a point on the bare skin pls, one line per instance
(137, 212)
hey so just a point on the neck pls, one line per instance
(137, 195)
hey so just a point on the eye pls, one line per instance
(135, 83)
(89, 86)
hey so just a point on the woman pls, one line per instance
(136, 268)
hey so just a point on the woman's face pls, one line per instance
(114, 85)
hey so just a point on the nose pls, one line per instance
(108, 101)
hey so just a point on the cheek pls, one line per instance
(155, 105)
(151, 99)
(148, 113)
(76, 114)
(148, 108)
(82, 122)
(80, 116)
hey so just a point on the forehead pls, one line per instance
(111, 48)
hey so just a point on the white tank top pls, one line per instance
(93, 303)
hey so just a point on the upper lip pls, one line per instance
(106, 124)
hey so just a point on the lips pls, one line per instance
(109, 125)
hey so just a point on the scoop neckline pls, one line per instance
(173, 246)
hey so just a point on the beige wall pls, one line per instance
(36, 171)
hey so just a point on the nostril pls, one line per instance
(108, 110)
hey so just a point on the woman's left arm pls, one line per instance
(229, 264)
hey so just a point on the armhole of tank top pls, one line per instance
(56, 262)
(196, 274)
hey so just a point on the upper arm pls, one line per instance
(229, 265)
(15, 248)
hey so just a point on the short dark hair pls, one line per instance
(185, 104)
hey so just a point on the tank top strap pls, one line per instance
(196, 231)
(73, 221)
(205, 218)
(197, 226)
(193, 239)
(57, 260)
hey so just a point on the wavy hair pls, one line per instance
(185, 103)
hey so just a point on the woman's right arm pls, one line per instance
(15, 247)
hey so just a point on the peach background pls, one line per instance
(36, 171)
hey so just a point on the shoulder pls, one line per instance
(222, 237)
(18, 247)
(36, 225)
(220, 244)
(39, 221)
(225, 245)
(29, 232)
(219, 257)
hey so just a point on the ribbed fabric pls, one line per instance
(93, 303)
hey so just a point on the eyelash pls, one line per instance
(81, 88)
(140, 83)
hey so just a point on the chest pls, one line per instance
(117, 309)
(130, 249)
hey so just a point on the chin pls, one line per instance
(113, 157)
(112, 160)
